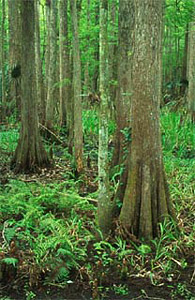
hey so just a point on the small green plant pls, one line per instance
(10, 261)
(30, 295)
(120, 289)
(182, 290)
(103, 249)
(127, 134)
(121, 249)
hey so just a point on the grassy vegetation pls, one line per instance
(49, 232)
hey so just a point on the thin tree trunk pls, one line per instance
(105, 205)
(65, 109)
(15, 53)
(184, 66)
(47, 47)
(95, 87)
(113, 57)
(87, 86)
(191, 71)
(51, 101)
(3, 84)
(184, 75)
(171, 78)
(78, 131)
(39, 67)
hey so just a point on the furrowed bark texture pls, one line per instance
(29, 154)
(146, 200)
(124, 88)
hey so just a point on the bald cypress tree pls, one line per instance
(104, 203)
(191, 71)
(29, 154)
(51, 63)
(78, 128)
(146, 201)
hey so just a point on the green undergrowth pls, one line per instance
(49, 238)
(49, 235)
(178, 137)
(8, 139)
(43, 231)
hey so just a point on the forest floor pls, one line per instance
(49, 246)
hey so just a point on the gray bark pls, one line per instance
(78, 131)
(105, 205)
(51, 101)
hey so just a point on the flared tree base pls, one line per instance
(146, 201)
(30, 156)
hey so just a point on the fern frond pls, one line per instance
(10, 261)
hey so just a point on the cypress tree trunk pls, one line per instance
(47, 47)
(65, 107)
(146, 200)
(124, 90)
(105, 205)
(50, 105)
(78, 129)
(184, 65)
(39, 67)
(191, 71)
(3, 85)
(95, 87)
(112, 46)
(87, 85)
(30, 154)
(15, 53)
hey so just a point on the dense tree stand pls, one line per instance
(29, 154)
(146, 201)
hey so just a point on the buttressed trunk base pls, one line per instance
(146, 201)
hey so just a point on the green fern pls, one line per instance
(64, 252)
(10, 261)
(62, 274)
